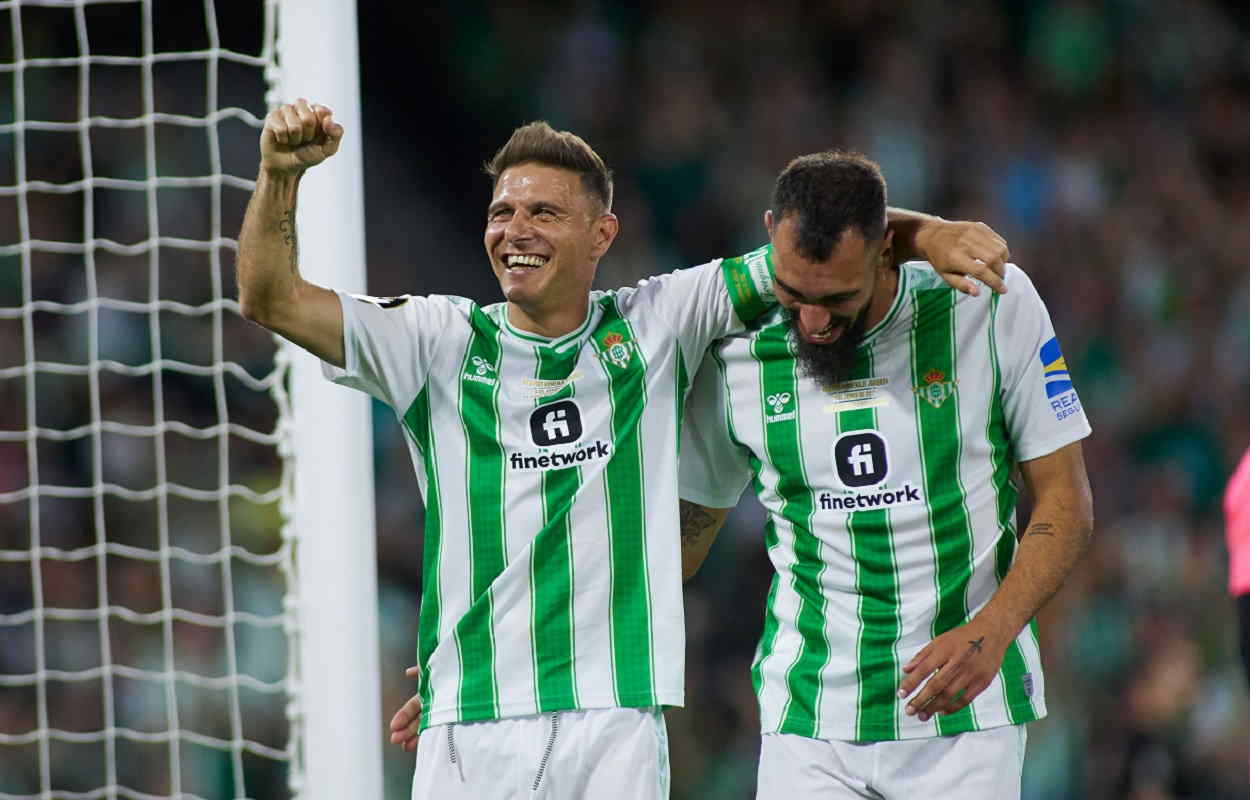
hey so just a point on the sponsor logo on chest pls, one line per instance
(862, 466)
(480, 371)
(780, 407)
(556, 431)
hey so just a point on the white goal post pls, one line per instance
(334, 465)
(187, 584)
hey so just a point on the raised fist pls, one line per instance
(297, 136)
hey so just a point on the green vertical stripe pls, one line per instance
(749, 281)
(937, 423)
(784, 447)
(417, 423)
(876, 582)
(479, 415)
(630, 616)
(1019, 705)
(768, 637)
(551, 562)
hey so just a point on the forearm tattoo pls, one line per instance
(286, 226)
(1041, 529)
(695, 523)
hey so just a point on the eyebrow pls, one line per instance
(836, 297)
(501, 204)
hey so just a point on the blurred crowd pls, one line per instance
(1109, 142)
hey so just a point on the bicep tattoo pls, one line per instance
(695, 523)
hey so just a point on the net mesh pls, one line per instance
(147, 638)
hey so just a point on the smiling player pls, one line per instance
(544, 435)
(878, 414)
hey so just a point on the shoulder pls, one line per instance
(418, 312)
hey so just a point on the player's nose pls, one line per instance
(815, 320)
(518, 229)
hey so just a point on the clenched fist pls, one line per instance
(297, 136)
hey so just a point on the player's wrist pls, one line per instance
(273, 178)
(922, 239)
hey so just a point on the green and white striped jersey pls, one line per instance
(891, 516)
(548, 467)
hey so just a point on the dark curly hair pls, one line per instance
(831, 192)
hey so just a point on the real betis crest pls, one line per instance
(936, 388)
(616, 349)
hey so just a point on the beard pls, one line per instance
(832, 363)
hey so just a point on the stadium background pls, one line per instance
(1108, 141)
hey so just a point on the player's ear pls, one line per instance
(607, 226)
(885, 259)
(768, 223)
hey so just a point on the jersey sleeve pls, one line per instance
(388, 344)
(1042, 409)
(714, 469)
(707, 302)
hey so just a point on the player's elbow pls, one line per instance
(260, 304)
(255, 309)
(1083, 518)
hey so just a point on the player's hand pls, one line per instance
(406, 724)
(959, 664)
(960, 251)
(297, 136)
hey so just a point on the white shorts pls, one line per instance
(965, 766)
(598, 753)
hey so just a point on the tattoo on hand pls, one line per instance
(975, 646)
(695, 523)
(1041, 529)
(286, 226)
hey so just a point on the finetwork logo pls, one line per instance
(1063, 399)
(557, 425)
(482, 372)
(598, 450)
(861, 464)
(906, 495)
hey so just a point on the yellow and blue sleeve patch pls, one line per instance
(1054, 368)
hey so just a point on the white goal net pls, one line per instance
(147, 627)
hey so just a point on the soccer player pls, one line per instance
(544, 434)
(1237, 531)
(879, 415)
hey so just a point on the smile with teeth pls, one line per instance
(826, 331)
(524, 262)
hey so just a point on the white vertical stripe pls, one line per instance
(592, 602)
(512, 610)
(663, 521)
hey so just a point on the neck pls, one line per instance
(548, 323)
(882, 297)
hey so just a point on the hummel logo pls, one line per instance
(778, 401)
(483, 366)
